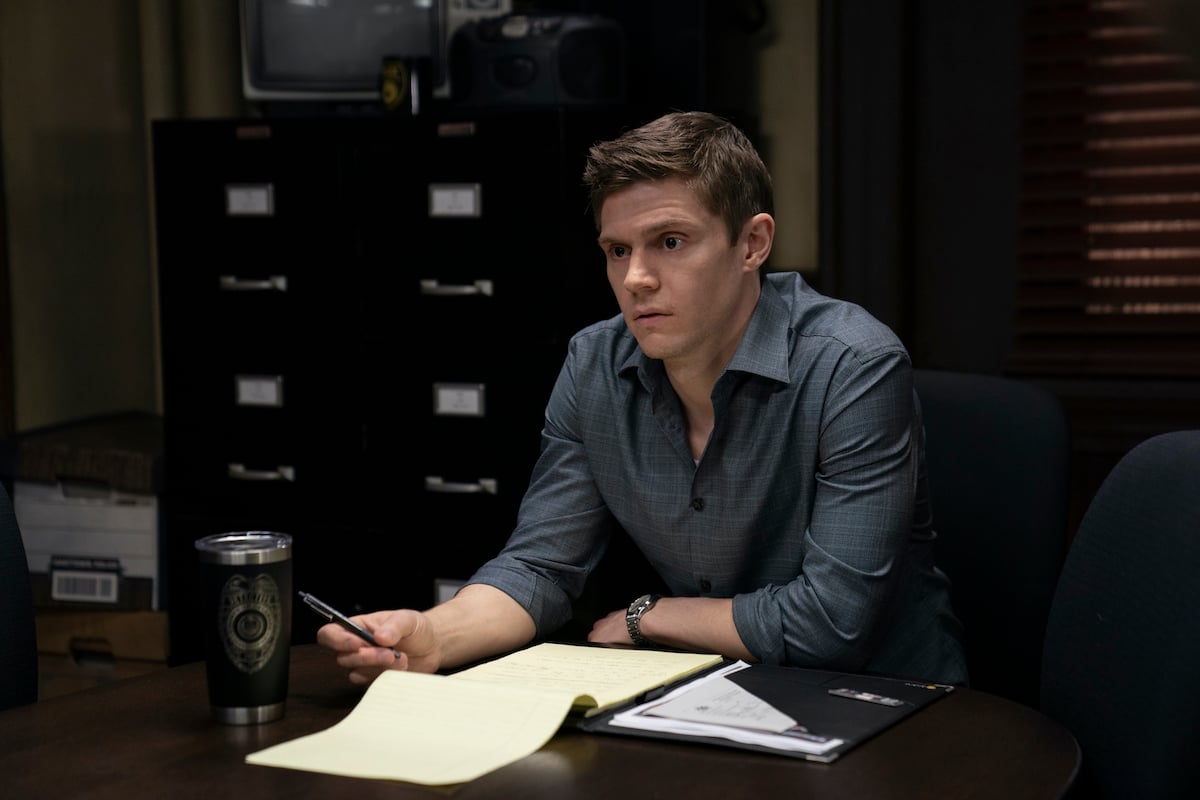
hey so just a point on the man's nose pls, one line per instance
(639, 274)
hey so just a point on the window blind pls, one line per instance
(1108, 279)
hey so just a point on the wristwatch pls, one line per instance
(633, 617)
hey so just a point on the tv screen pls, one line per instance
(330, 49)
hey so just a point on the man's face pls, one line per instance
(684, 291)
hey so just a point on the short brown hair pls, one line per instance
(711, 153)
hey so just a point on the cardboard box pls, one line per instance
(138, 635)
(81, 649)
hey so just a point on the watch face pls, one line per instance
(636, 604)
(633, 617)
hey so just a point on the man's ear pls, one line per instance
(759, 234)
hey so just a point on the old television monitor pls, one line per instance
(330, 50)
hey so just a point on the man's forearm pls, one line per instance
(478, 622)
(699, 624)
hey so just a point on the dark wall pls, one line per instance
(863, 133)
(919, 170)
(965, 150)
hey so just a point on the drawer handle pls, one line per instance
(282, 473)
(434, 483)
(430, 286)
(275, 283)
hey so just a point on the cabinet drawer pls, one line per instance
(481, 205)
(291, 308)
(258, 192)
(270, 471)
(282, 385)
(516, 375)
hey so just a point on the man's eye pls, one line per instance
(672, 242)
(618, 251)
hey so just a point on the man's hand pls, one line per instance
(406, 631)
(610, 629)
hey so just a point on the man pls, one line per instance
(758, 442)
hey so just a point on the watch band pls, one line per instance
(633, 617)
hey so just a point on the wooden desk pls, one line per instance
(151, 736)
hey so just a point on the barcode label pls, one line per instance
(86, 587)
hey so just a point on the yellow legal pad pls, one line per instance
(443, 729)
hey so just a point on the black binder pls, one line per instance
(805, 695)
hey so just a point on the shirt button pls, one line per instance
(697, 503)
(705, 586)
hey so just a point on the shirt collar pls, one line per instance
(763, 350)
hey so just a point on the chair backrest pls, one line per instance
(18, 635)
(1122, 655)
(998, 455)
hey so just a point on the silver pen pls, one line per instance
(333, 615)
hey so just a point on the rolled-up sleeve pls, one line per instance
(854, 544)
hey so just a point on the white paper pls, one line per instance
(723, 702)
(645, 717)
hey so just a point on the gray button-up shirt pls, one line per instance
(808, 506)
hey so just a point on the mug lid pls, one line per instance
(245, 547)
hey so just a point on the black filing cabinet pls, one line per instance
(362, 318)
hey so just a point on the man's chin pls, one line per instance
(654, 347)
(655, 343)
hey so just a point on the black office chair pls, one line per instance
(998, 452)
(1122, 655)
(18, 636)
